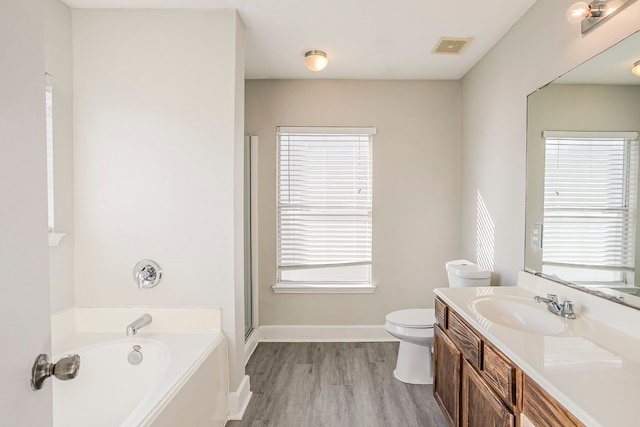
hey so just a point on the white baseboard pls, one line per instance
(238, 401)
(321, 333)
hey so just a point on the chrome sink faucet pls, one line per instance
(140, 322)
(565, 310)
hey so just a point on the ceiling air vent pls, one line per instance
(451, 45)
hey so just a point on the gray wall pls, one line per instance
(537, 49)
(415, 197)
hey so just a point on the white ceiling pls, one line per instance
(364, 39)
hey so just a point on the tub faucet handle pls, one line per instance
(567, 310)
(147, 274)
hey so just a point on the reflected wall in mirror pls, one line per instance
(582, 176)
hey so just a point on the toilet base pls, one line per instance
(414, 364)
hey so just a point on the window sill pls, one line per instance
(54, 238)
(296, 288)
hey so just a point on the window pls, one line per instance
(324, 209)
(54, 238)
(49, 127)
(590, 191)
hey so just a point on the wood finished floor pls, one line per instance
(334, 385)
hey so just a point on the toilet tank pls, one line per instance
(463, 273)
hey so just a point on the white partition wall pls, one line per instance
(158, 99)
(24, 288)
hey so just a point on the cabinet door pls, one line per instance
(481, 407)
(500, 373)
(446, 382)
(543, 410)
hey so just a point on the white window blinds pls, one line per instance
(49, 127)
(324, 199)
(590, 189)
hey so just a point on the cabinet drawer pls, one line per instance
(543, 410)
(469, 343)
(499, 373)
(441, 313)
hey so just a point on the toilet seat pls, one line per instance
(420, 318)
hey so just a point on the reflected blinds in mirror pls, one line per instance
(590, 191)
(49, 127)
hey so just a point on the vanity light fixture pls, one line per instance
(315, 60)
(636, 68)
(578, 11)
(591, 14)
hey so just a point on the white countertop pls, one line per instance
(591, 368)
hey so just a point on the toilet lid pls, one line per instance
(467, 270)
(413, 318)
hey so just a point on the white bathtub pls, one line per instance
(161, 391)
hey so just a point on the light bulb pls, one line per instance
(315, 60)
(636, 68)
(578, 11)
(612, 6)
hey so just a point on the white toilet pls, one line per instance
(414, 326)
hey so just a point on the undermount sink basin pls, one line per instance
(518, 313)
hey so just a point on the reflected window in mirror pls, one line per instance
(590, 188)
(54, 237)
(49, 126)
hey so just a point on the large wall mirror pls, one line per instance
(582, 210)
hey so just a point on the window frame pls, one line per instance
(296, 285)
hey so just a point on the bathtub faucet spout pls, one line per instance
(141, 321)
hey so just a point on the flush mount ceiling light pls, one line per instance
(315, 60)
(636, 68)
(591, 14)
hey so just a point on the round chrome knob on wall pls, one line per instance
(147, 274)
(66, 368)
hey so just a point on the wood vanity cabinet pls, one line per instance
(476, 385)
